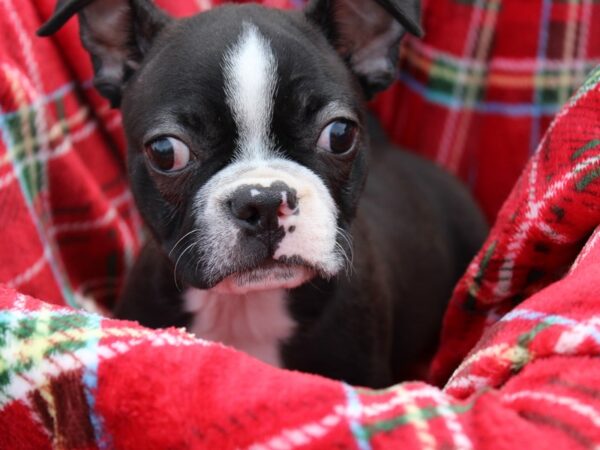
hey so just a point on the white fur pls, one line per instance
(315, 236)
(254, 323)
(247, 311)
(281, 276)
(250, 71)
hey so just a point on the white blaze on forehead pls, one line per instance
(250, 81)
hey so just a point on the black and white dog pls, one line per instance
(248, 149)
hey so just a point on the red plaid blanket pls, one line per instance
(523, 326)
(477, 94)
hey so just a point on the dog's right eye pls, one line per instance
(338, 137)
(168, 154)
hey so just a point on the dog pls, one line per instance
(248, 152)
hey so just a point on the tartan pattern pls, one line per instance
(551, 210)
(53, 122)
(487, 80)
(51, 125)
(49, 361)
(522, 328)
(531, 381)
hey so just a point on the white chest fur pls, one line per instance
(255, 323)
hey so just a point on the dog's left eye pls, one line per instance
(338, 137)
(168, 154)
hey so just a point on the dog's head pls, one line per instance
(245, 127)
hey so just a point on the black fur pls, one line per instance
(414, 227)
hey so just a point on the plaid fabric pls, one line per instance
(540, 229)
(523, 326)
(478, 97)
(478, 92)
(79, 381)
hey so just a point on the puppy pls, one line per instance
(248, 146)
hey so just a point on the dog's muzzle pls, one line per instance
(266, 224)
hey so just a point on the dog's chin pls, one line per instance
(267, 277)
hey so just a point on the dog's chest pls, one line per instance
(255, 323)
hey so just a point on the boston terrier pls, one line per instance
(248, 147)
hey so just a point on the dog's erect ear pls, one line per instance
(116, 33)
(367, 34)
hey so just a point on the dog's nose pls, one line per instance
(258, 209)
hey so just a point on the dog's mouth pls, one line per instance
(268, 276)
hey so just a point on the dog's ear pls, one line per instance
(116, 33)
(367, 33)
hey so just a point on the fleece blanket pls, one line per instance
(521, 338)
(486, 81)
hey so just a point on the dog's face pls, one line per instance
(245, 127)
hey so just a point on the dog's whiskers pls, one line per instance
(347, 261)
(346, 252)
(195, 230)
(177, 262)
